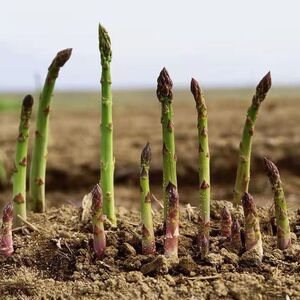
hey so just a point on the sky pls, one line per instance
(221, 43)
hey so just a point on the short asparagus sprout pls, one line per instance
(19, 176)
(6, 242)
(281, 210)
(107, 162)
(226, 222)
(243, 170)
(97, 220)
(39, 153)
(172, 222)
(164, 95)
(148, 239)
(235, 239)
(204, 168)
(253, 238)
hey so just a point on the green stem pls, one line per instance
(243, 169)
(107, 163)
(253, 238)
(204, 168)
(281, 210)
(164, 95)
(39, 154)
(19, 176)
(148, 239)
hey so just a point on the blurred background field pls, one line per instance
(73, 158)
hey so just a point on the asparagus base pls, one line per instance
(77, 272)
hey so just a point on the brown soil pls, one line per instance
(56, 262)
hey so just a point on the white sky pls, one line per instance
(225, 42)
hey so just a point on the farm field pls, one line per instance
(73, 157)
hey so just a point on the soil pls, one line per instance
(56, 262)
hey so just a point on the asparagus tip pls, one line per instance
(96, 197)
(146, 154)
(164, 86)
(271, 170)
(8, 212)
(248, 204)
(62, 57)
(264, 85)
(225, 213)
(28, 102)
(104, 42)
(195, 89)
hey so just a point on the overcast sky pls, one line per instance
(221, 43)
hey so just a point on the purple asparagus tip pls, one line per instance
(248, 204)
(164, 86)
(146, 155)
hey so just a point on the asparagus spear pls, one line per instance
(243, 169)
(107, 163)
(6, 242)
(252, 230)
(148, 239)
(97, 220)
(203, 165)
(172, 222)
(39, 154)
(19, 176)
(281, 211)
(164, 95)
(226, 222)
(236, 241)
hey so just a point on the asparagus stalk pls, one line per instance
(164, 95)
(252, 229)
(226, 222)
(281, 211)
(19, 176)
(39, 154)
(6, 243)
(107, 163)
(243, 169)
(148, 239)
(203, 165)
(97, 220)
(236, 241)
(172, 222)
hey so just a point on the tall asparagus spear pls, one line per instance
(243, 169)
(107, 163)
(148, 239)
(19, 176)
(39, 154)
(172, 222)
(6, 241)
(203, 165)
(226, 222)
(252, 230)
(164, 95)
(281, 211)
(97, 220)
